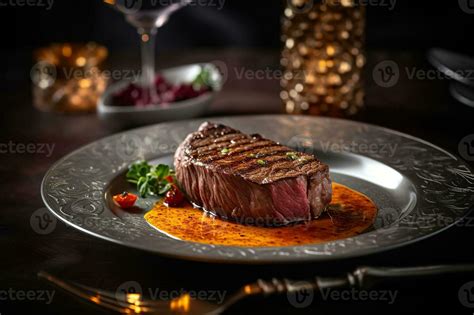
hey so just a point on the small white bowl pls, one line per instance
(136, 116)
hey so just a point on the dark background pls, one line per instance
(411, 25)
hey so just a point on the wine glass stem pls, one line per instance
(147, 39)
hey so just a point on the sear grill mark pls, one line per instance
(204, 142)
(248, 158)
(252, 157)
(203, 151)
(235, 151)
(276, 163)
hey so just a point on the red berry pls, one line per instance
(125, 200)
(133, 94)
(174, 197)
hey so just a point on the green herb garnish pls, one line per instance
(304, 159)
(150, 180)
(251, 155)
(291, 155)
(261, 162)
(204, 78)
(225, 151)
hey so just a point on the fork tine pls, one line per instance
(97, 298)
(123, 297)
(132, 303)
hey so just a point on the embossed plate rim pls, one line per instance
(149, 241)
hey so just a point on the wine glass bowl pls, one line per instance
(147, 16)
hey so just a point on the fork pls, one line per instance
(134, 303)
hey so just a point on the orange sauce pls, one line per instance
(350, 213)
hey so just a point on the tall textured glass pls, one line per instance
(323, 57)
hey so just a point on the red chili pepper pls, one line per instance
(174, 197)
(125, 200)
(169, 179)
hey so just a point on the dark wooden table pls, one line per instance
(421, 107)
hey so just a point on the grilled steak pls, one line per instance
(250, 179)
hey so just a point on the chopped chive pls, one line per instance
(291, 155)
(225, 151)
(303, 159)
(261, 162)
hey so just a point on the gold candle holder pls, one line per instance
(67, 77)
(323, 57)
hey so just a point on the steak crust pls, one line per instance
(250, 179)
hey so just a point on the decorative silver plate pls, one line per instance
(419, 188)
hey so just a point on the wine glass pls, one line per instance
(147, 16)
